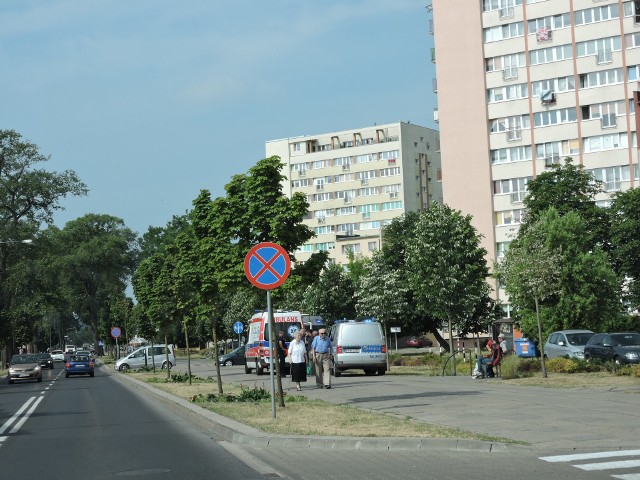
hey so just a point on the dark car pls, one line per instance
(620, 348)
(45, 360)
(78, 365)
(234, 357)
(419, 342)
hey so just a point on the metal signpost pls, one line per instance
(238, 328)
(395, 331)
(267, 266)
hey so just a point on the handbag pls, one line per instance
(309, 369)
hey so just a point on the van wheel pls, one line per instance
(336, 372)
(259, 369)
(247, 369)
(369, 371)
(164, 365)
(124, 367)
(382, 371)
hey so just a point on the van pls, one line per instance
(313, 322)
(147, 356)
(358, 345)
(257, 349)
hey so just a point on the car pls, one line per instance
(45, 360)
(147, 356)
(567, 343)
(358, 345)
(79, 365)
(24, 367)
(621, 348)
(234, 357)
(57, 355)
(418, 342)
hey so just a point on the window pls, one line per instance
(550, 54)
(367, 174)
(509, 217)
(371, 207)
(390, 155)
(323, 213)
(516, 187)
(346, 211)
(553, 22)
(345, 177)
(320, 164)
(386, 206)
(345, 194)
(606, 112)
(342, 161)
(350, 248)
(366, 158)
(598, 79)
(496, 64)
(554, 117)
(597, 14)
(305, 182)
(502, 32)
(347, 228)
(491, 5)
(508, 123)
(601, 47)
(297, 147)
(509, 155)
(322, 197)
(306, 248)
(552, 152)
(322, 247)
(508, 92)
(373, 225)
(611, 176)
(372, 246)
(501, 249)
(390, 172)
(557, 85)
(604, 142)
(323, 230)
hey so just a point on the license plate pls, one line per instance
(351, 350)
(79, 366)
(22, 375)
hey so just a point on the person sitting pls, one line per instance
(487, 362)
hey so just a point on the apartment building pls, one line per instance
(356, 181)
(523, 84)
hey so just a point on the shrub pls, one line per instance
(564, 365)
(246, 394)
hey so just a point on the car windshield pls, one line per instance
(79, 358)
(626, 339)
(44, 355)
(578, 338)
(23, 359)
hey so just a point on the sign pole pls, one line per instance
(271, 352)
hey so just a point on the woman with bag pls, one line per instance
(298, 359)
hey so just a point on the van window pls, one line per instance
(360, 334)
(160, 350)
(289, 329)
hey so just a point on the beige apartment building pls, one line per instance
(523, 84)
(356, 181)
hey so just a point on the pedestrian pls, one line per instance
(298, 358)
(487, 362)
(321, 350)
(281, 345)
(503, 343)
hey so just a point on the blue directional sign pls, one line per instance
(267, 265)
(238, 327)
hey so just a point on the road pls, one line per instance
(105, 427)
(96, 428)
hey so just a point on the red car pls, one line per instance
(419, 342)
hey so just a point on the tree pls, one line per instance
(96, 257)
(531, 270)
(446, 267)
(625, 236)
(29, 196)
(332, 296)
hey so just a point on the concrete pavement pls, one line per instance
(545, 418)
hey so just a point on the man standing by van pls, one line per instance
(321, 349)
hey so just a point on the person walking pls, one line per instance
(298, 359)
(321, 350)
(281, 346)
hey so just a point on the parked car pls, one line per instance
(419, 342)
(619, 347)
(24, 367)
(234, 357)
(147, 356)
(79, 365)
(45, 360)
(57, 355)
(567, 343)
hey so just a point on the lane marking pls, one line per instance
(16, 415)
(26, 416)
(590, 456)
(628, 476)
(609, 465)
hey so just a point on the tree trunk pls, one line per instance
(544, 367)
(186, 341)
(215, 356)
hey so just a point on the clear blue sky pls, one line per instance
(150, 101)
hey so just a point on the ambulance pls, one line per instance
(257, 350)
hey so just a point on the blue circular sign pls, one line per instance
(238, 327)
(116, 332)
(267, 265)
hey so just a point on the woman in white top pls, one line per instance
(298, 358)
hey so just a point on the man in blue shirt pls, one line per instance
(321, 351)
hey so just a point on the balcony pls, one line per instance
(433, 55)
(434, 82)
(518, 197)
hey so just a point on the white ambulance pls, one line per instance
(257, 349)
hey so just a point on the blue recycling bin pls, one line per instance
(525, 347)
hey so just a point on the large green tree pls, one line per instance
(332, 296)
(625, 236)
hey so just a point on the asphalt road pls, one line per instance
(96, 428)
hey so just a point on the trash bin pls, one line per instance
(525, 347)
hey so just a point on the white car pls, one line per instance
(57, 355)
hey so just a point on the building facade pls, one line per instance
(356, 181)
(523, 84)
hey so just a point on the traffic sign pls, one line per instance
(238, 327)
(267, 265)
(116, 332)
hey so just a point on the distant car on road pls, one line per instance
(57, 355)
(24, 367)
(79, 365)
(419, 342)
(567, 343)
(234, 357)
(619, 347)
(45, 360)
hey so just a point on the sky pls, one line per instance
(151, 101)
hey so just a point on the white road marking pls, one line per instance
(24, 418)
(590, 456)
(16, 415)
(628, 476)
(608, 465)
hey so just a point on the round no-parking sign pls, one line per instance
(267, 265)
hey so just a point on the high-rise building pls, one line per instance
(356, 181)
(523, 84)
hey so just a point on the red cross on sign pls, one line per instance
(267, 265)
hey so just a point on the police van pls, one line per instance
(358, 345)
(257, 350)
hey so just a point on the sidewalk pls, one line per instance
(546, 418)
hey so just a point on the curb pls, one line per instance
(244, 435)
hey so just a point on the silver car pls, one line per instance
(567, 343)
(24, 367)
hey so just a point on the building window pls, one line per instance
(372, 246)
(596, 14)
(604, 77)
(551, 54)
(611, 176)
(509, 155)
(509, 217)
(554, 117)
(350, 248)
(604, 142)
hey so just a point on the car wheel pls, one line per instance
(10, 382)
(164, 365)
(382, 371)
(124, 367)
(39, 379)
(259, 369)
(369, 371)
(247, 369)
(91, 374)
(228, 363)
(66, 375)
